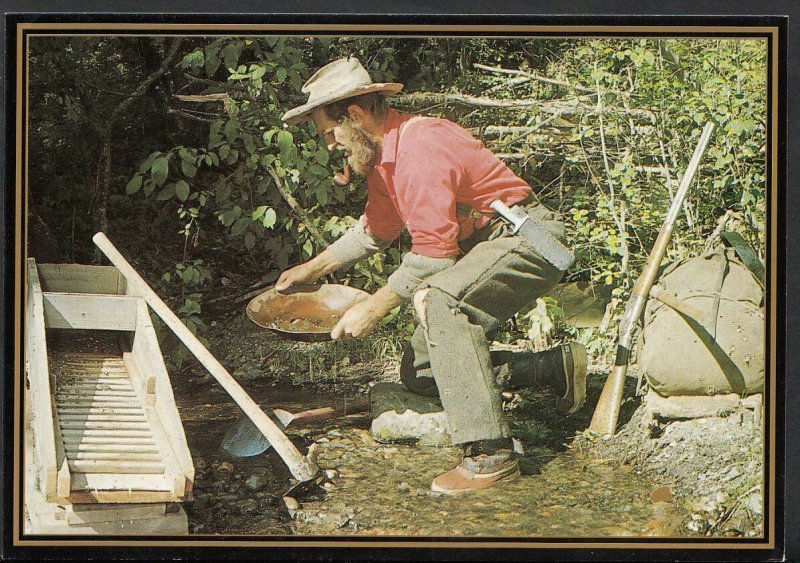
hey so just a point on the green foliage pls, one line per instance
(194, 178)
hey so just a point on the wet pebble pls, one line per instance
(291, 503)
(256, 482)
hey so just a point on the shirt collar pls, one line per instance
(394, 120)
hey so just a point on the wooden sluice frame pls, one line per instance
(72, 296)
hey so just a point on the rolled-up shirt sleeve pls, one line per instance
(356, 244)
(427, 177)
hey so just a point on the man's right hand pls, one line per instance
(294, 276)
(322, 264)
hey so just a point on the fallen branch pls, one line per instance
(220, 96)
(557, 107)
(532, 76)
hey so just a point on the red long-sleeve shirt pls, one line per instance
(432, 178)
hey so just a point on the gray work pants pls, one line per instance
(464, 304)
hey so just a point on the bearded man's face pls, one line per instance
(360, 148)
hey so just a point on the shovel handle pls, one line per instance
(314, 415)
(302, 468)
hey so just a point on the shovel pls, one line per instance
(246, 440)
(303, 468)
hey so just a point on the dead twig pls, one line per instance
(297, 209)
(532, 76)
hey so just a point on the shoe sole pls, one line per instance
(580, 363)
(452, 492)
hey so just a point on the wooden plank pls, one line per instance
(79, 278)
(71, 447)
(75, 456)
(105, 393)
(79, 399)
(101, 433)
(88, 385)
(149, 360)
(103, 417)
(98, 404)
(127, 467)
(115, 481)
(107, 441)
(102, 424)
(88, 388)
(139, 381)
(77, 514)
(95, 380)
(50, 460)
(73, 410)
(89, 311)
(93, 369)
(120, 496)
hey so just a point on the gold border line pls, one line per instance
(16, 501)
(358, 541)
(773, 301)
(395, 27)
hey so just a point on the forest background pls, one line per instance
(175, 148)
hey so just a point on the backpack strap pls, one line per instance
(713, 315)
(745, 253)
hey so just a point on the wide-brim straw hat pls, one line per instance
(343, 78)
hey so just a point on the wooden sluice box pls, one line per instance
(103, 424)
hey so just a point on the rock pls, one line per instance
(200, 463)
(200, 503)
(256, 482)
(248, 505)
(661, 494)
(391, 426)
(434, 440)
(291, 504)
(225, 467)
(733, 473)
(755, 503)
(400, 415)
(331, 473)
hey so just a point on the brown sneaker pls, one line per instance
(478, 470)
(573, 363)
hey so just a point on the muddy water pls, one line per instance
(385, 490)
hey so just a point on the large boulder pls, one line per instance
(398, 415)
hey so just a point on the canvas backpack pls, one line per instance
(721, 349)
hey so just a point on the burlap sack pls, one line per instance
(713, 354)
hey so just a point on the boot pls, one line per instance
(484, 464)
(561, 369)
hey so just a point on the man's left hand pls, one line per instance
(358, 321)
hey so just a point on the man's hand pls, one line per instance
(294, 276)
(311, 271)
(361, 319)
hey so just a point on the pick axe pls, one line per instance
(606, 413)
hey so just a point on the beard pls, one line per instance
(362, 147)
